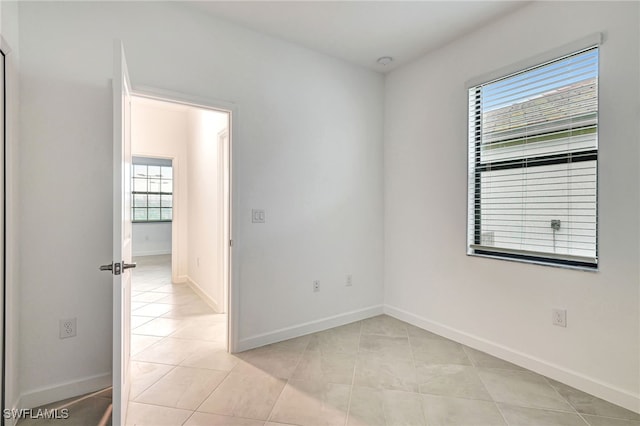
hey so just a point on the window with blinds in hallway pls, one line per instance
(533, 155)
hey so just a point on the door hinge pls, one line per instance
(230, 243)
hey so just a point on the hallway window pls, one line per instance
(152, 190)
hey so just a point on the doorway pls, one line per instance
(181, 237)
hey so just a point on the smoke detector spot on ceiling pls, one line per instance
(384, 60)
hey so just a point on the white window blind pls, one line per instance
(533, 149)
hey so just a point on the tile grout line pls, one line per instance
(415, 369)
(475, 367)
(353, 378)
(286, 383)
(567, 400)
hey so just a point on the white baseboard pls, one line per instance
(561, 374)
(307, 327)
(203, 295)
(62, 391)
(151, 252)
(180, 279)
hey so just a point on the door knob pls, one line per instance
(117, 267)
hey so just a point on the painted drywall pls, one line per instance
(500, 306)
(159, 130)
(204, 210)
(151, 238)
(307, 149)
(9, 17)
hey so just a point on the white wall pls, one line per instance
(151, 238)
(204, 209)
(500, 306)
(308, 149)
(160, 130)
(9, 17)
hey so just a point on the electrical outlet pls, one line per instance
(257, 216)
(349, 280)
(559, 317)
(316, 286)
(68, 328)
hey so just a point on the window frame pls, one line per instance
(154, 162)
(474, 100)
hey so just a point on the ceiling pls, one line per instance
(362, 31)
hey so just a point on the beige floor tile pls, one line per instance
(438, 351)
(482, 359)
(372, 407)
(153, 415)
(181, 297)
(152, 310)
(203, 330)
(250, 396)
(137, 305)
(395, 347)
(414, 331)
(608, 421)
(189, 310)
(147, 286)
(451, 380)
(305, 402)
(169, 351)
(522, 388)
(182, 387)
(366, 407)
(147, 296)
(342, 339)
(174, 289)
(588, 404)
(137, 321)
(378, 372)
(446, 411)
(140, 342)
(206, 419)
(328, 367)
(212, 355)
(279, 364)
(522, 416)
(160, 327)
(384, 325)
(293, 346)
(145, 374)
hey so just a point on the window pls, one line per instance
(533, 153)
(152, 190)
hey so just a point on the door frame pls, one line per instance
(232, 286)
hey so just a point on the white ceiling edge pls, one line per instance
(360, 32)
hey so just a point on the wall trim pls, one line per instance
(307, 328)
(66, 390)
(180, 279)
(203, 295)
(556, 372)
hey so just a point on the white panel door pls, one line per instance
(121, 234)
(2, 226)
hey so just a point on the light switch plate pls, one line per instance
(257, 216)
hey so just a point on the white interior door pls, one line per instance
(121, 234)
(2, 236)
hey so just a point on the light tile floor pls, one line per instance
(379, 371)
